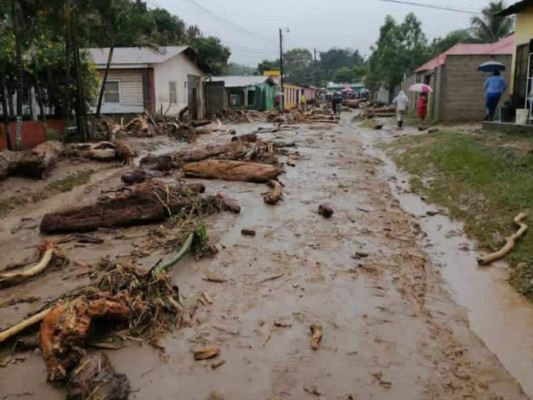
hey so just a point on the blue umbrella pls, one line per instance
(491, 66)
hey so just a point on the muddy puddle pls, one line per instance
(499, 315)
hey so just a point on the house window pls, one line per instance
(112, 92)
(172, 92)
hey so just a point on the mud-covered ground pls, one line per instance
(391, 330)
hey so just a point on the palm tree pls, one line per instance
(490, 27)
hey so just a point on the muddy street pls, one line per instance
(391, 329)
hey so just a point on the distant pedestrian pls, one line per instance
(278, 100)
(402, 102)
(336, 102)
(495, 86)
(422, 109)
(303, 101)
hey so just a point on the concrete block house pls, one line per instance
(163, 80)
(458, 93)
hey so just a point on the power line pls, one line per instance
(227, 21)
(433, 6)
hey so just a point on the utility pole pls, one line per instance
(316, 68)
(281, 68)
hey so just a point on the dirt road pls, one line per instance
(390, 329)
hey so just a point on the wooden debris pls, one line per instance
(511, 241)
(37, 163)
(229, 204)
(95, 378)
(275, 194)
(232, 171)
(206, 352)
(218, 363)
(226, 329)
(66, 326)
(207, 298)
(156, 162)
(203, 153)
(142, 205)
(101, 151)
(325, 210)
(211, 277)
(248, 137)
(316, 336)
(22, 326)
(247, 232)
(13, 278)
(271, 278)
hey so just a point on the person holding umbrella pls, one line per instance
(495, 86)
(422, 102)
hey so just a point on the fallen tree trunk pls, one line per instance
(146, 203)
(232, 171)
(275, 194)
(248, 137)
(161, 162)
(204, 153)
(8, 162)
(511, 241)
(39, 161)
(13, 278)
(101, 151)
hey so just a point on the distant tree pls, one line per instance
(298, 66)
(440, 45)
(399, 50)
(491, 27)
(267, 65)
(238, 69)
(334, 59)
(344, 75)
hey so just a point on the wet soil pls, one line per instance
(391, 328)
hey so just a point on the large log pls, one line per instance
(101, 151)
(183, 157)
(8, 162)
(146, 203)
(232, 170)
(37, 163)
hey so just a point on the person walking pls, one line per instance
(336, 102)
(402, 102)
(495, 86)
(422, 109)
(303, 101)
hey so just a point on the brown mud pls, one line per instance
(391, 329)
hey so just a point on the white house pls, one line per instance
(163, 80)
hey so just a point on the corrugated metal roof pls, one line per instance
(241, 81)
(502, 47)
(135, 55)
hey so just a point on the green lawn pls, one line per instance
(484, 180)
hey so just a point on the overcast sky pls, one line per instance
(250, 27)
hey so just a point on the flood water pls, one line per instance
(499, 315)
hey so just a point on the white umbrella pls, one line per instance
(420, 88)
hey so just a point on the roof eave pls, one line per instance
(516, 8)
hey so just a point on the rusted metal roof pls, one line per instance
(502, 47)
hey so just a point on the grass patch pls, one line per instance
(484, 181)
(71, 181)
(10, 203)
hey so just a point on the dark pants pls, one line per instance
(491, 103)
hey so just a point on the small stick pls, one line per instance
(14, 330)
(270, 278)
